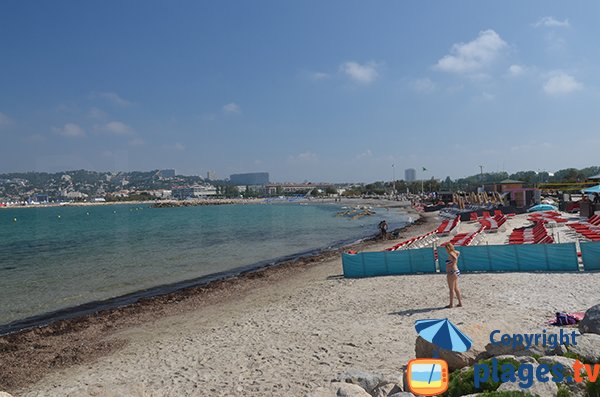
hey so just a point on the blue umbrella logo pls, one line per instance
(443, 334)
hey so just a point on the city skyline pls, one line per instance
(231, 88)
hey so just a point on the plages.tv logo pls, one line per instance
(429, 376)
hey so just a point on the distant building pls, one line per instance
(211, 176)
(166, 173)
(410, 175)
(517, 195)
(39, 198)
(281, 188)
(252, 178)
(183, 193)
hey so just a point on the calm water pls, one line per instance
(60, 257)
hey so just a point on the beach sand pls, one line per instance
(280, 333)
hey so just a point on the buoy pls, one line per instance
(87, 213)
(114, 212)
(14, 219)
(59, 216)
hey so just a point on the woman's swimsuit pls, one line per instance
(451, 271)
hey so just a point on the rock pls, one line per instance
(321, 392)
(587, 347)
(5, 394)
(424, 349)
(567, 363)
(520, 359)
(386, 390)
(402, 394)
(591, 321)
(367, 381)
(543, 389)
(494, 350)
(351, 390)
(577, 389)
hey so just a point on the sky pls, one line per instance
(339, 91)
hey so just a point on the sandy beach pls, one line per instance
(281, 332)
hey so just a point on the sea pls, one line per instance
(58, 262)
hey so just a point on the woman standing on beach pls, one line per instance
(452, 274)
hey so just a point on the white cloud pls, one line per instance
(5, 120)
(486, 97)
(424, 86)
(516, 70)
(116, 127)
(474, 55)
(305, 157)
(96, 113)
(362, 74)
(318, 76)
(551, 22)
(561, 83)
(232, 108)
(113, 98)
(70, 130)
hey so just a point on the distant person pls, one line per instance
(383, 226)
(596, 198)
(452, 273)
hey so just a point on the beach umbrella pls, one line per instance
(443, 334)
(542, 207)
(593, 189)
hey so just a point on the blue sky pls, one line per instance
(307, 90)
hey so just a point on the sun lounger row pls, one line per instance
(417, 242)
(537, 234)
(464, 239)
(492, 224)
(447, 226)
(593, 221)
(590, 230)
(547, 216)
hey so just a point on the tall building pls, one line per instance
(252, 178)
(410, 175)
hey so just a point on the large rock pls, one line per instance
(350, 390)
(567, 363)
(587, 347)
(366, 380)
(519, 359)
(321, 392)
(542, 389)
(339, 389)
(577, 389)
(424, 349)
(386, 390)
(496, 349)
(4, 394)
(591, 321)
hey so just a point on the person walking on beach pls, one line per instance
(452, 273)
(383, 229)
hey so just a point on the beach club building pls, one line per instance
(518, 196)
(191, 192)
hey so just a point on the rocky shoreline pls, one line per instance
(358, 383)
